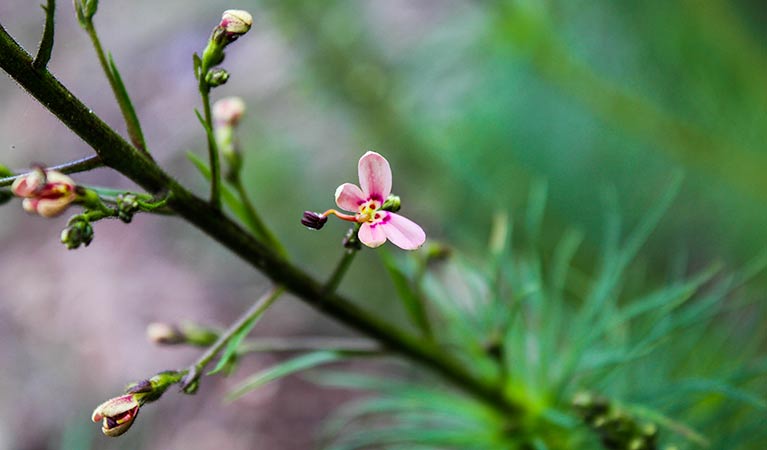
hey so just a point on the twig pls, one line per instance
(78, 165)
(215, 163)
(195, 370)
(46, 43)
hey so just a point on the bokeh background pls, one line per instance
(471, 101)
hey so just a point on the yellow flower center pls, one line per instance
(368, 212)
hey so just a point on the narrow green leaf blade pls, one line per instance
(413, 303)
(283, 369)
(229, 198)
(126, 106)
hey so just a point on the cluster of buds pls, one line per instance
(616, 428)
(118, 414)
(227, 114)
(78, 232)
(127, 206)
(234, 23)
(45, 192)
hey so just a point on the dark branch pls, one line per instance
(118, 154)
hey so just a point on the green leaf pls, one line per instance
(5, 172)
(669, 423)
(197, 64)
(230, 199)
(5, 196)
(411, 300)
(535, 209)
(283, 369)
(229, 357)
(126, 106)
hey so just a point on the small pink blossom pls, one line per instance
(47, 193)
(366, 202)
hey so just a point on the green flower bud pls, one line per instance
(393, 203)
(217, 77)
(77, 233)
(127, 206)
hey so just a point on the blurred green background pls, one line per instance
(469, 100)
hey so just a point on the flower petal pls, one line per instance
(28, 184)
(372, 235)
(403, 232)
(54, 177)
(349, 197)
(114, 407)
(375, 176)
(52, 207)
(30, 205)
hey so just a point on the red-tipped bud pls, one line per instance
(116, 414)
(235, 23)
(47, 193)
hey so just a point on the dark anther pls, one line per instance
(313, 220)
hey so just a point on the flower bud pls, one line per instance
(351, 240)
(30, 184)
(116, 414)
(228, 111)
(217, 77)
(393, 203)
(313, 220)
(79, 232)
(127, 206)
(235, 23)
(164, 334)
(47, 193)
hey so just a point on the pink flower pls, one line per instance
(367, 201)
(117, 414)
(47, 193)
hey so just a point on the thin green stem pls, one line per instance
(258, 226)
(258, 308)
(118, 89)
(46, 43)
(215, 165)
(338, 274)
(80, 165)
